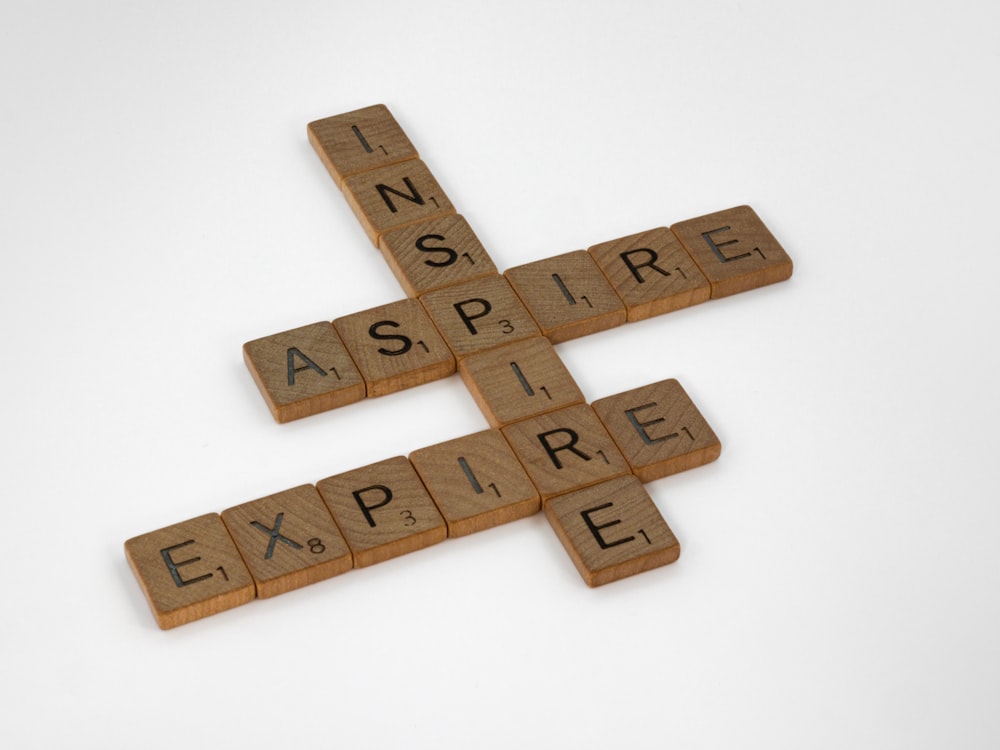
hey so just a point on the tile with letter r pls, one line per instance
(189, 570)
(303, 371)
(288, 540)
(612, 530)
(383, 510)
(734, 250)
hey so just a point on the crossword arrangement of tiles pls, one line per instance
(547, 448)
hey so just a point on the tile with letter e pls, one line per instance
(612, 530)
(476, 482)
(189, 570)
(659, 429)
(288, 540)
(383, 510)
(568, 295)
(734, 250)
(395, 347)
(652, 273)
(303, 371)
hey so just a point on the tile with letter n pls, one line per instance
(189, 570)
(383, 510)
(612, 530)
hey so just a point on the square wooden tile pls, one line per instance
(565, 450)
(519, 380)
(288, 540)
(358, 141)
(189, 570)
(476, 482)
(659, 430)
(395, 346)
(383, 510)
(612, 530)
(734, 250)
(567, 295)
(652, 273)
(303, 371)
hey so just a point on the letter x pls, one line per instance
(275, 535)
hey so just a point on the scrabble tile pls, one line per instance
(383, 511)
(519, 380)
(479, 315)
(394, 196)
(565, 450)
(612, 530)
(359, 141)
(659, 430)
(189, 570)
(734, 250)
(652, 273)
(435, 254)
(395, 346)
(303, 371)
(567, 295)
(288, 540)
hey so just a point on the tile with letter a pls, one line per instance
(612, 530)
(189, 570)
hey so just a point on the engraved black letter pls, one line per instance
(413, 197)
(173, 566)
(543, 438)
(716, 246)
(467, 319)
(452, 256)
(309, 365)
(640, 427)
(404, 346)
(650, 263)
(367, 509)
(596, 530)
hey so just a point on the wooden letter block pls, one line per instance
(383, 511)
(303, 371)
(659, 429)
(189, 570)
(288, 540)
(652, 273)
(519, 380)
(395, 346)
(476, 482)
(612, 530)
(734, 250)
(567, 295)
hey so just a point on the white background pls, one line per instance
(839, 584)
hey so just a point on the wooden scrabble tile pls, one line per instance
(734, 250)
(659, 429)
(435, 254)
(476, 482)
(519, 380)
(288, 540)
(189, 570)
(479, 315)
(567, 295)
(394, 196)
(565, 450)
(359, 141)
(612, 530)
(303, 371)
(395, 346)
(383, 510)
(652, 273)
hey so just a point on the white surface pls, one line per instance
(839, 581)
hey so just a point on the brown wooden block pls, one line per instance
(659, 429)
(383, 510)
(288, 540)
(395, 196)
(567, 295)
(519, 380)
(395, 346)
(359, 141)
(652, 273)
(612, 530)
(435, 254)
(734, 250)
(303, 371)
(189, 570)
(565, 450)
(476, 482)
